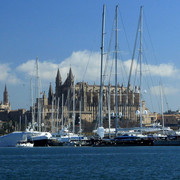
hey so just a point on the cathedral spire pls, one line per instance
(45, 100)
(58, 83)
(71, 77)
(50, 94)
(44, 95)
(58, 79)
(5, 97)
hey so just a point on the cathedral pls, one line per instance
(61, 101)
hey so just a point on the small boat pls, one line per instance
(67, 138)
(24, 144)
(40, 138)
(171, 140)
(35, 137)
(11, 139)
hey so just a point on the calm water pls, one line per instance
(90, 163)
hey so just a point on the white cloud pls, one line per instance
(27, 67)
(163, 70)
(4, 69)
(166, 90)
(77, 61)
(7, 74)
(47, 70)
(86, 66)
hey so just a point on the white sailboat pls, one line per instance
(100, 129)
(37, 138)
(66, 137)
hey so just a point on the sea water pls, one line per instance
(151, 162)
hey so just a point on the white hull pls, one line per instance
(25, 144)
(12, 139)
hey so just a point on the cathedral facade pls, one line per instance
(62, 101)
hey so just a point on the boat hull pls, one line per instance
(166, 143)
(41, 143)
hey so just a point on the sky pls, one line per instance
(66, 34)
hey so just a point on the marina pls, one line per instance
(89, 90)
(60, 129)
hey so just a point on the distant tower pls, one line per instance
(58, 84)
(50, 95)
(45, 100)
(70, 79)
(5, 97)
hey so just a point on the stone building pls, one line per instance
(11, 119)
(5, 105)
(89, 97)
(171, 119)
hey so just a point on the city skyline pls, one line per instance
(68, 34)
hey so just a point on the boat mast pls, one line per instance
(62, 115)
(80, 117)
(74, 107)
(109, 113)
(57, 117)
(162, 109)
(52, 116)
(116, 56)
(32, 111)
(20, 123)
(141, 31)
(38, 95)
(101, 76)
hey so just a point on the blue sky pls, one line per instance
(68, 33)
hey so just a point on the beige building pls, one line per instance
(89, 97)
(5, 105)
(171, 120)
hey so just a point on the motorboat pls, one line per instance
(35, 137)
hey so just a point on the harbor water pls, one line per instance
(148, 162)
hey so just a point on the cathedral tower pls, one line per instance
(5, 97)
(58, 84)
(50, 95)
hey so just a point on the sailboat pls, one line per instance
(100, 129)
(30, 136)
(67, 137)
(39, 138)
(124, 136)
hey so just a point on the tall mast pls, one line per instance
(57, 117)
(32, 112)
(52, 116)
(162, 109)
(62, 115)
(74, 107)
(20, 123)
(80, 116)
(101, 76)
(141, 31)
(116, 55)
(109, 109)
(38, 95)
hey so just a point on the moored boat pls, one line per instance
(24, 144)
(40, 138)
